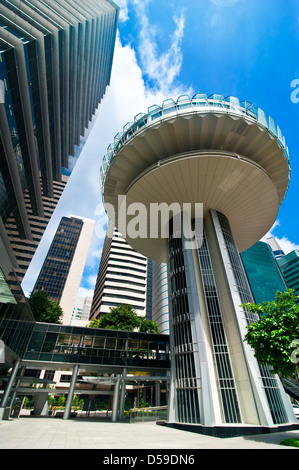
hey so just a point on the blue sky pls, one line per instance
(244, 48)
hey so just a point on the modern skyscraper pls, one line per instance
(122, 278)
(275, 247)
(55, 64)
(289, 267)
(263, 273)
(224, 163)
(24, 249)
(63, 266)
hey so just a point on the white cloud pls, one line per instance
(218, 16)
(286, 245)
(83, 292)
(161, 68)
(124, 11)
(225, 3)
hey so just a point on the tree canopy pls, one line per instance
(43, 309)
(275, 337)
(124, 318)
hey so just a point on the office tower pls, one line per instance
(81, 311)
(289, 267)
(263, 273)
(122, 278)
(24, 249)
(275, 247)
(55, 64)
(62, 270)
(222, 166)
(160, 311)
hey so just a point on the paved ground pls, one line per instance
(57, 433)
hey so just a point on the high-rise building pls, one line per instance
(263, 273)
(81, 311)
(289, 267)
(122, 278)
(223, 166)
(55, 64)
(275, 247)
(62, 270)
(24, 249)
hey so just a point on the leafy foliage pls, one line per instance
(148, 326)
(124, 318)
(290, 442)
(273, 336)
(43, 309)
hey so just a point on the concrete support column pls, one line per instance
(18, 382)
(10, 383)
(157, 393)
(115, 405)
(71, 393)
(41, 404)
(122, 396)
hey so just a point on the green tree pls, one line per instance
(61, 401)
(26, 402)
(274, 336)
(75, 401)
(148, 326)
(52, 401)
(124, 318)
(43, 309)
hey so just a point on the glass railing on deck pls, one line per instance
(153, 413)
(185, 103)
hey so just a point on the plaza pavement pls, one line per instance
(57, 433)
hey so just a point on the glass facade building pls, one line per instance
(289, 267)
(63, 267)
(55, 270)
(263, 273)
(78, 345)
(55, 64)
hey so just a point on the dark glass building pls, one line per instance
(55, 269)
(55, 64)
(263, 272)
(289, 267)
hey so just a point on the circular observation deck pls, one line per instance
(217, 151)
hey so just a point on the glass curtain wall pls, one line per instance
(269, 381)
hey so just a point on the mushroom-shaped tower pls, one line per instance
(230, 159)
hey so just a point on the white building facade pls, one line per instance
(122, 278)
(230, 158)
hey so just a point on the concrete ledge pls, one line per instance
(227, 430)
